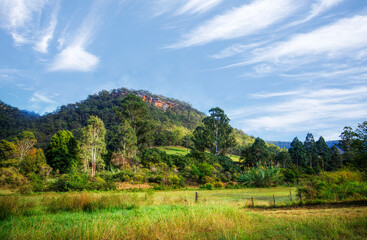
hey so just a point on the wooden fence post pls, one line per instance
(196, 196)
(252, 201)
(274, 200)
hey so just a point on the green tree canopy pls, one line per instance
(135, 111)
(346, 144)
(63, 152)
(216, 134)
(9, 154)
(310, 147)
(257, 154)
(25, 141)
(124, 142)
(324, 152)
(93, 145)
(336, 159)
(298, 153)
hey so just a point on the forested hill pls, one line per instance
(168, 115)
(287, 145)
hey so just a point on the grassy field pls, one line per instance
(219, 214)
(183, 151)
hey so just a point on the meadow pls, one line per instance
(182, 151)
(218, 214)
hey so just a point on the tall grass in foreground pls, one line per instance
(199, 221)
(11, 205)
(90, 202)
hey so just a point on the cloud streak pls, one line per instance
(305, 109)
(74, 56)
(179, 7)
(344, 38)
(38, 97)
(20, 18)
(238, 22)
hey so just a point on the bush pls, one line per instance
(332, 186)
(261, 176)
(138, 179)
(107, 176)
(207, 179)
(289, 175)
(173, 180)
(123, 176)
(310, 171)
(10, 177)
(27, 188)
(156, 179)
(207, 186)
(218, 185)
(58, 185)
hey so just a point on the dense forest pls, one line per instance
(167, 115)
(113, 137)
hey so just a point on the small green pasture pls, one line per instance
(178, 150)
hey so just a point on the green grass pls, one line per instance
(219, 214)
(178, 150)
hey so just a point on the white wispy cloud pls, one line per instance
(236, 49)
(305, 109)
(242, 21)
(74, 56)
(46, 35)
(179, 7)
(329, 73)
(39, 97)
(197, 6)
(275, 94)
(321, 6)
(344, 38)
(317, 8)
(20, 18)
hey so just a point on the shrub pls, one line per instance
(37, 183)
(138, 179)
(218, 185)
(58, 185)
(173, 180)
(231, 185)
(156, 179)
(207, 179)
(11, 178)
(207, 186)
(310, 171)
(107, 176)
(334, 186)
(27, 188)
(289, 175)
(261, 176)
(123, 176)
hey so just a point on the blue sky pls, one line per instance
(279, 68)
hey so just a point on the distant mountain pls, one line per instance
(165, 112)
(287, 145)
